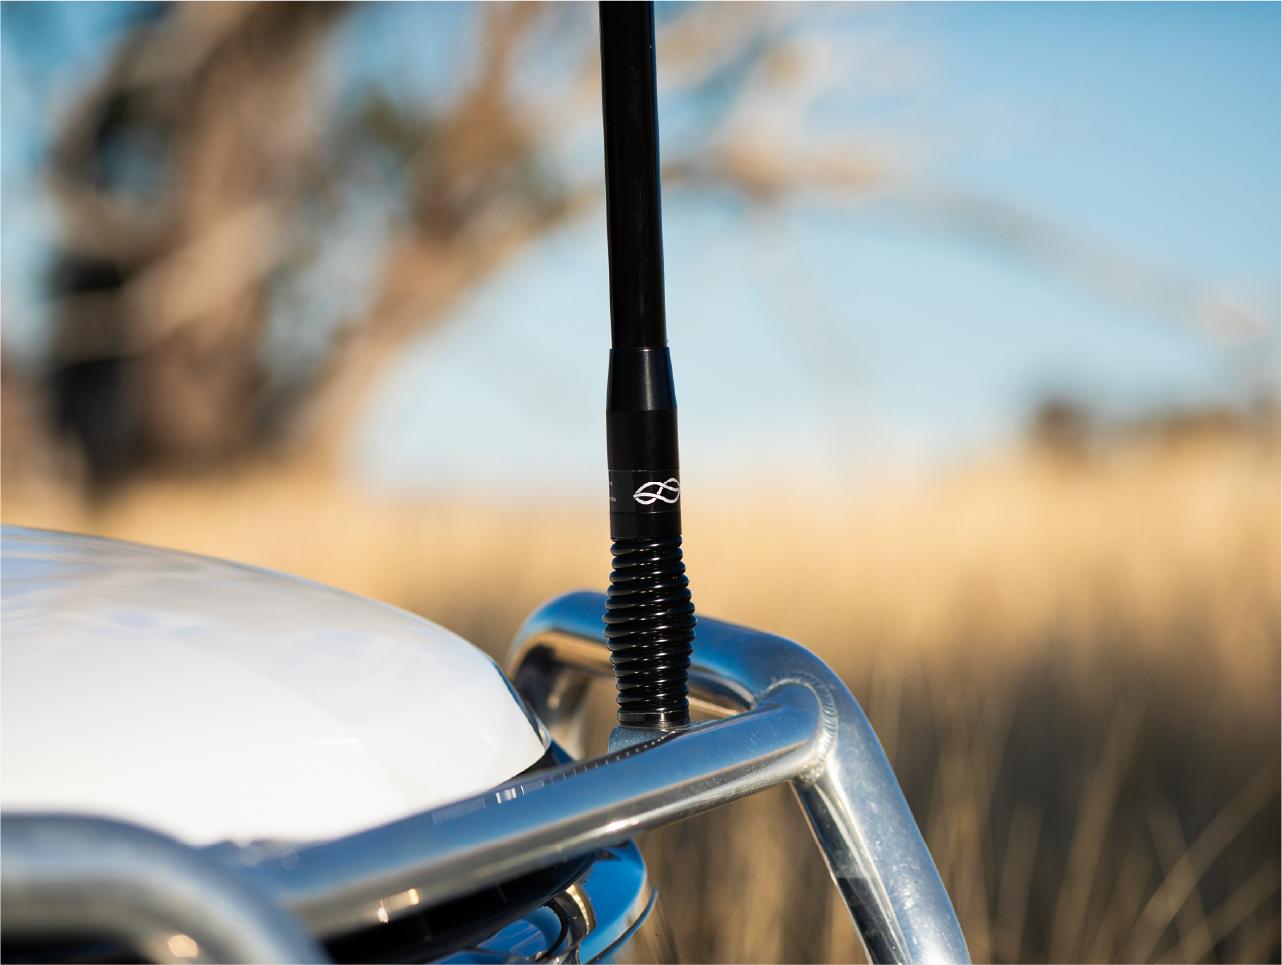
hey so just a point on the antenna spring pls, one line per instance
(649, 624)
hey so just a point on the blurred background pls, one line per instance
(974, 311)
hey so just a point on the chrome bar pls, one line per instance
(546, 818)
(92, 877)
(854, 804)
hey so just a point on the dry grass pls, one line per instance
(1073, 663)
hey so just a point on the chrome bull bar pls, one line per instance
(790, 719)
(794, 721)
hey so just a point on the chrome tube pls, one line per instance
(551, 816)
(846, 788)
(94, 877)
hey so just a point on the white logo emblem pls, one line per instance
(648, 493)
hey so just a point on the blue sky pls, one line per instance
(822, 338)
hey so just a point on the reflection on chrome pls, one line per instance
(609, 914)
(181, 946)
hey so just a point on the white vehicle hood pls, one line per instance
(215, 701)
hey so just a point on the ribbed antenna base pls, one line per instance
(649, 623)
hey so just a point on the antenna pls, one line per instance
(649, 617)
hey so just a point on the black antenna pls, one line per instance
(649, 618)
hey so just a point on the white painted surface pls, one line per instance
(217, 701)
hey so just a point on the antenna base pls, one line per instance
(649, 627)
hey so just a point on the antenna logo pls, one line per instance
(649, 492)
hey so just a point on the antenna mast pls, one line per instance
(649, 618)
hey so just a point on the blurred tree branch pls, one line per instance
(185, 175)
(175, 179)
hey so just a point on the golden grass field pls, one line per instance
(1071, 658)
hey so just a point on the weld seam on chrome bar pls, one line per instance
(549, 817)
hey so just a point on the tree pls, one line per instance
(191, 175)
